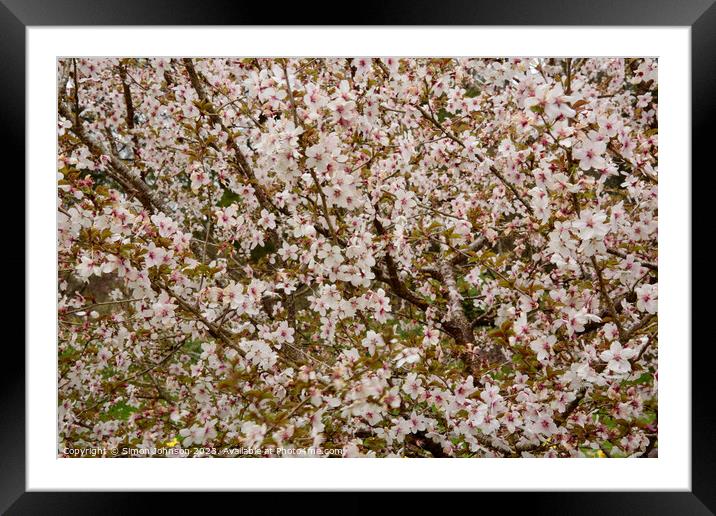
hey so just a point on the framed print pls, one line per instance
(427, 246)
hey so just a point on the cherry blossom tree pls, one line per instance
(382, 257)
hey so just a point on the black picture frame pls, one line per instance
(17, 15)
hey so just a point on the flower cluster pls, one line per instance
(390, 257)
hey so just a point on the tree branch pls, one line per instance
(129, 105)
(607, 299)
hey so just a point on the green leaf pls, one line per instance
(645, 378)
(107, 373)
(442, 115)
(374, 443)
(120, 411)
(228, 198)
(259, 252)
(472, 91)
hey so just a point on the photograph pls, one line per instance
(339, 257)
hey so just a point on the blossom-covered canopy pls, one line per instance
(378, 257)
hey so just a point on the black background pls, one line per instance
(15, 15)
